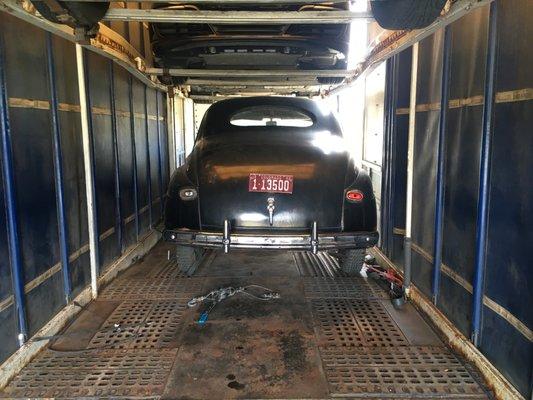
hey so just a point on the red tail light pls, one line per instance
(354, 196)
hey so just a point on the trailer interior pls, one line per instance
(94, 121)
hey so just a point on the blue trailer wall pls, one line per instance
(506, 333)
(127, 165)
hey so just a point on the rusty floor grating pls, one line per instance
(149, 288)
(342, 288)
(141, 324)
(317, 265)
(359, 350)
(412, 356)
(169, 270)
(94, 374)
(376, 324)
(343, 322)
(400, 372)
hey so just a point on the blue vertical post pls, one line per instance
(15, 257)
(93, 161)
(484, 176)
(441, 164)
(58, 170)
(159, 158)
(134, 160)
(116, 156)
(148, 166)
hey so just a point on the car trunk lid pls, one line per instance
(316, 162)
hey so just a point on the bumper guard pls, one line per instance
(313, 241)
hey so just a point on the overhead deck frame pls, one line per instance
(110, 44)
(388, 43)
(234, 17)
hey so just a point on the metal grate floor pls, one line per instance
(317, 265)
(169, 270)
(94, 374)
(141, 288)
(355, 323)
(328, 336)
(410, 372)
(342, 288)
(141, 324)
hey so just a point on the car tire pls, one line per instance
(86, 14)
(341, 65)
(351, 261)
(187, 258)
(406, 14)
(330, 80)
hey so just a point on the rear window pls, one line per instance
(271, 116)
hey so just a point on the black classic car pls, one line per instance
(270, 173)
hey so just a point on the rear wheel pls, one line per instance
(351, 261)
(341, 65)
(406, 14)
(188, 258)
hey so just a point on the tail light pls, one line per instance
(354, 196)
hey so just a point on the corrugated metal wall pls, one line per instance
(130, 162)
(507, 323)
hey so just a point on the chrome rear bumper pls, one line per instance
(288, 241)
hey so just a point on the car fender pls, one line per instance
(178, 212)
(360, 216)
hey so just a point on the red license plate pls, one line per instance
(270, 183)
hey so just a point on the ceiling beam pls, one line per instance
(217, 83)
(234, 17)
(210, 98)
(247, 73)
(256, 89)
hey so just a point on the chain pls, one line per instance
(216, 296)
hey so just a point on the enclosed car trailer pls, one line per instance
(100, 104)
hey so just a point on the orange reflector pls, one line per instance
(355, 196)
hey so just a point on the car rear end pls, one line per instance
(271, 173)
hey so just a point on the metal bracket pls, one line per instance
(83, 35)
(271, 207)
(226, 240)
(314, 238)
(165, 77)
